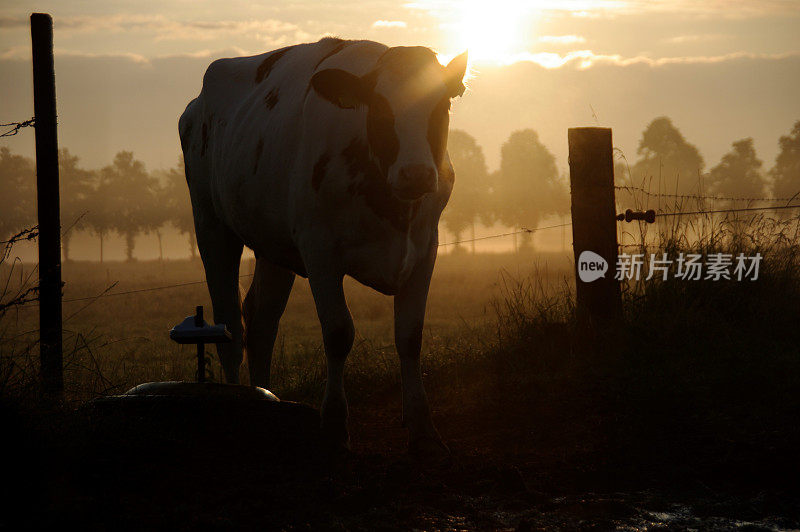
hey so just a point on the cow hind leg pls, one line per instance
(221, 251)
(262, 310)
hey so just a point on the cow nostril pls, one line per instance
(419, 176)
(414, 181)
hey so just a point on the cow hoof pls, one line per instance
(337, 445)
(430, 452)
(340, 455)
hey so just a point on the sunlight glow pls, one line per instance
(504, 31)
(491, 31)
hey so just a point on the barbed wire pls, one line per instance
(723, 211)
(16, 126)
(29, 295)
(139, 290)
(105, 293)
(630, 188)
(29, 233)
(647, 246)
(520, 231)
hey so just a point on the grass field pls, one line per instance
(126, 336)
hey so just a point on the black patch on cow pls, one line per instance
(320, 167)
(335, 50)
(271, 99)
(371, 183)
(381, 135)
(259, 149)
(204, 143)
(438, 123)
(267, 64)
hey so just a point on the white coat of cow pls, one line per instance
(326, 159)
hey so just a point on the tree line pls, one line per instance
(528, 186)
(125, 198)
(122, 197)
(668, 163)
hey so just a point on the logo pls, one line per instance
(591, 266)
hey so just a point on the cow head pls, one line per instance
(407, 101)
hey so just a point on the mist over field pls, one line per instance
(109, 103)
(113, 102)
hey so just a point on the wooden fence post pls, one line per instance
(47, 197)
(594, 225)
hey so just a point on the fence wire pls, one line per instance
(522, 230)
(630, 188)
(724, 211)
(105, 293)
(519, 231)
(16, 126)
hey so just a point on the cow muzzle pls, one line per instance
(414, 181)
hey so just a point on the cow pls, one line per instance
(326, 159)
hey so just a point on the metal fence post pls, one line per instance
(47, 197)
(594, 225)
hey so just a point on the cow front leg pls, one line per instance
(409, 315)
(337, 336)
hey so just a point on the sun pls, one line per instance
(493, 31)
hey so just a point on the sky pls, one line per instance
(722, 69)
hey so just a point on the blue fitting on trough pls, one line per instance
(194, 330)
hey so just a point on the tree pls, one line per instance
(178, 203)
(131, 197)
(786, 172)
(76, 189)
(17, 193)
(100, 214)
(469, 199)
(156, 214)
(739, 172)
(528, 185)
(666, 157)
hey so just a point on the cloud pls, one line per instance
(389, 24)
(609, 8)
(14, 22)
(584, 59)
(260, 29)
(685, 39)
(167, 29)
(562, 39)
(724, 8)
(585, 14)
(23, 53)
(16, 53)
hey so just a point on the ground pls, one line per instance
(507, 473)
(688, 423)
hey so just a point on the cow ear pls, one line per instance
(455, 71)
(340, 88)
